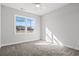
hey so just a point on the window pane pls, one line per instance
(20, 21)
(24, 24)
(20, 24)
(28, 22)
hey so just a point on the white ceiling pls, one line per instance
(30, 7)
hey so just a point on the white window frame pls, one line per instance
(15, 23)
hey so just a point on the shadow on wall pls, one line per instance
(50, 37)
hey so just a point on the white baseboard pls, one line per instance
(76, 48)
(17, 42)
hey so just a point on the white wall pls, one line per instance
(64, 24)
(0, 25)
(7, 27)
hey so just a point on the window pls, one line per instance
(24, 24)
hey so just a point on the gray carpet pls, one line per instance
(37, 48)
